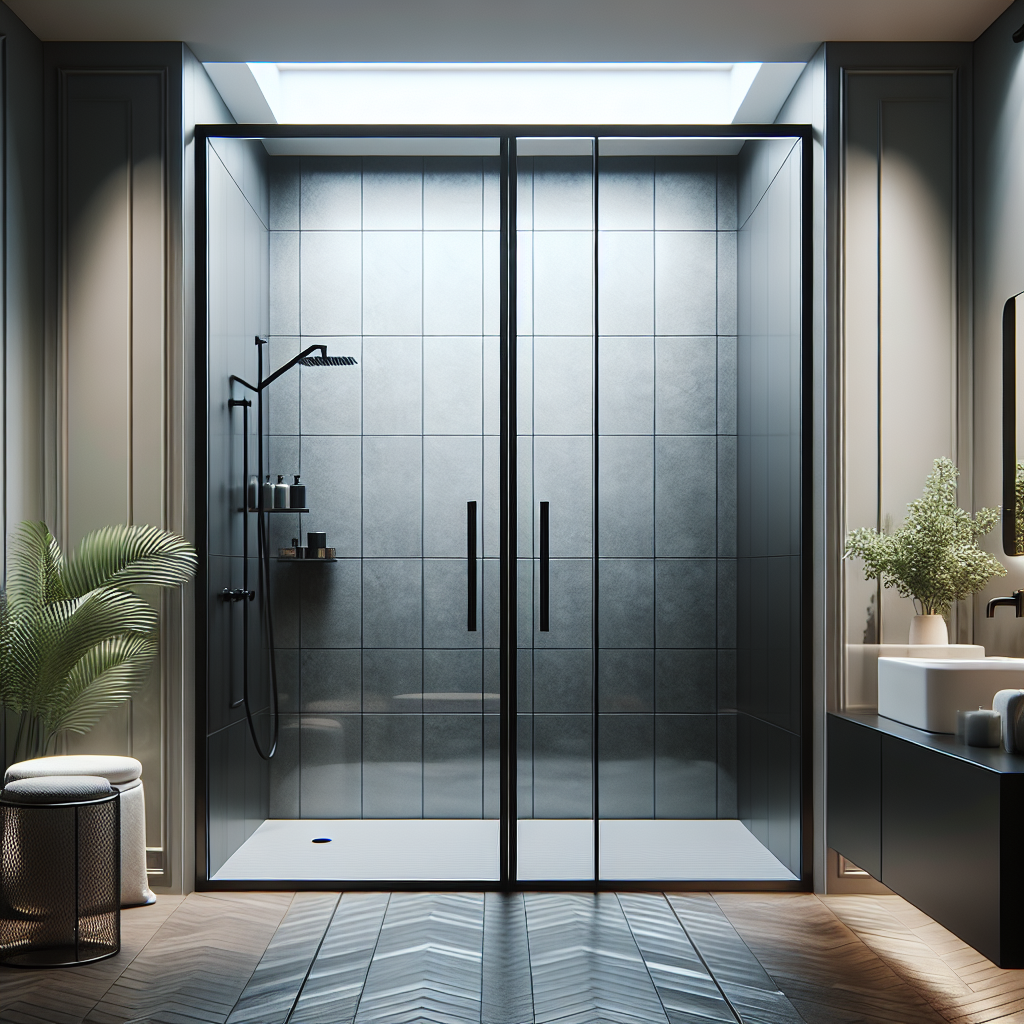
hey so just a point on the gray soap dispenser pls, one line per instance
(267, 500)
(281, 493)
(298, 494)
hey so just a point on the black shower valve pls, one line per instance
(238, 595)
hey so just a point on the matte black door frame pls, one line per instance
(507, 136)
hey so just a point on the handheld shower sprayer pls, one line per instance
(304, 358)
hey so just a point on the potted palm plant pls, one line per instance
(76, 636)
(933, 557)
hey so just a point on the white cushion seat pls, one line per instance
(124, 774)
(116, 770)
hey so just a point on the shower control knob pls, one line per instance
(237, 595)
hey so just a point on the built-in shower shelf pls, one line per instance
(306, 561)
(272, 510)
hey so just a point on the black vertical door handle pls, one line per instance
(545, 560)
(471, 566)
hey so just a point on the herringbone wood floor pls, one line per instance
(411, 957)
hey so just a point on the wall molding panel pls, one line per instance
(903, 266)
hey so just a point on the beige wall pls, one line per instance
(120, 448)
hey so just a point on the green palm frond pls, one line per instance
(128, 556)
(75, 639)
(108, 674)
(34, 569)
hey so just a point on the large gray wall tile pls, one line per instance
(562, 477)
(452, 282)
(330, 596)
(626, 497)
(686, 371)
(284, 193)
(562, 385)
(392, 385)
(452, 385)
(563, 193)
(626, 602)
(625, 385)
(727, 282)
(626, 193)
(446, 604)
(392, 681)
(331, 472)
(626, 282)
(447, 673)
(453, 766)
(625, 757)
(331, 766)
(332, 396)
(685, 193)
(685, 602)
(625, 681)
(392, 496)
(686, 289)
(284, 282)
(331, 680)
(392, 282)
(451, 479)
(331, 289)
(392, 602)
(392, 766)
(452, 193)
(562, 767)
(281, 399)
(686, 766)
(562, 682)
(562, 283)
(284, 770)
(685, 681)
(686, 505)
(331, 193)
(392, 193)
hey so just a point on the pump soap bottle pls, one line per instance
(267, 500)
(298, 494)
(281, 493)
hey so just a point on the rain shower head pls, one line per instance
(328, 361)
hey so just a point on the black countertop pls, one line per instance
(994, 759)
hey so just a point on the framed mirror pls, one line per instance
(1013, 426)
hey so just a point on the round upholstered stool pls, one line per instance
(123, 773)
(60, 886)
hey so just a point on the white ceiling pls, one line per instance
(502, 30)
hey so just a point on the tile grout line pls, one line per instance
(643, 959)
(700, 956)
(313, 959)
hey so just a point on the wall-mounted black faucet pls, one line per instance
(1018, 36)
(1017, 601)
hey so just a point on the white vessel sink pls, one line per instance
(927, 692)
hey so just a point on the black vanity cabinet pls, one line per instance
(938, 822)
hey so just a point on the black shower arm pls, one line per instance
(322, 349)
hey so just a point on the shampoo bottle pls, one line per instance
(267, 500)
(252, 497)
(298, 494)
(281, 493)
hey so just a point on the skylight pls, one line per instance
(504, 93)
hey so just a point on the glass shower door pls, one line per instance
(555, 438)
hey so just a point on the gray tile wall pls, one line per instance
(238, 255)
(768, 677)
(666, 492)
(393, 261)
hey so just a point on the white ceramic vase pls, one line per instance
(928, 629)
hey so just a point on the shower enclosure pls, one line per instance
(563, 637)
